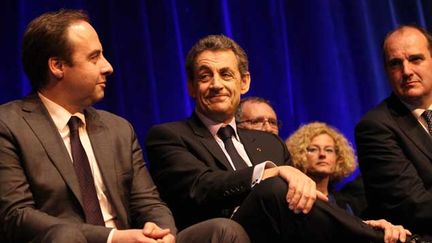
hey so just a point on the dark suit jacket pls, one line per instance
(395, 156)
(38, 186)
(193, 175)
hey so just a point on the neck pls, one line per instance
(322, 183)
(60, 100)
(418, 102)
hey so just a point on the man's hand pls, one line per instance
(302, 191)
(392, 233)
(151, 233)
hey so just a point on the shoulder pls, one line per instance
(248, 133)
(10, 108)
(384, 113)
(112, 121)
(177, 127)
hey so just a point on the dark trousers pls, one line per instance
(265, 216)
(218, 230)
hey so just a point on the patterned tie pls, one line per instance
(225, 133)
(83, 172)
(427, 115)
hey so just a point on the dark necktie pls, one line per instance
(225, 133)
(427, 115)
(83, 172)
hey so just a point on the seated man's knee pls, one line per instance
(61, 233)
(271, 188)
(214, 230)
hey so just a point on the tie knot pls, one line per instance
(74, 123)
(225, 132)
(427, 115)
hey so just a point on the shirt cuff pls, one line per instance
(258, 171)
(110, 236)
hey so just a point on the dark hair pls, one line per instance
(425, 33)
(46, 37)
(216, 43)
(253, 99)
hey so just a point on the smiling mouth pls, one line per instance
(217, 98)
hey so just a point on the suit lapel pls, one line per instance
(253, 150)
(208, 140)
(39, 120)
(410, 126)
(102, 147)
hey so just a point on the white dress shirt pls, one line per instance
(61, 117)
(213, 127)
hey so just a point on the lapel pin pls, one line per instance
(258, 149)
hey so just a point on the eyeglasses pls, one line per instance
(315, 150)
(261, 121)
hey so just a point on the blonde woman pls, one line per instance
(325, 155)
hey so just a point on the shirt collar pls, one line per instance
(213, 126)
(417, 112)
(59, 114)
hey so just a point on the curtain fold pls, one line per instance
(315, 60)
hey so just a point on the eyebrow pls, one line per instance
(94, 53)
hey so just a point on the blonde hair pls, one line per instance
(299, 141)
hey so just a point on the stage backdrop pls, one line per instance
(315, 60)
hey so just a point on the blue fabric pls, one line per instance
(315, 60)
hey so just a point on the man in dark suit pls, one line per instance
(69, 172)
(394, 139)
(207, 167)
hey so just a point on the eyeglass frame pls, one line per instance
(319, 149)
(261, 120)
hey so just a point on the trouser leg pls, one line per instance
(61, 233)
(218, 230)
(265, 216)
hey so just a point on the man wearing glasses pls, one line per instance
(257, 113)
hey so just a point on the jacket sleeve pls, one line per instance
(394, 188)
(20, 219)
(186, 171)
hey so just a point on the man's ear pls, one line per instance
(245, 83)
(191, 88)
(56, 66)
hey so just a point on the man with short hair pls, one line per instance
(206, 166)
(69, 172)
(257, 113)
(394, 139)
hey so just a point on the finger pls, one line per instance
(295, 199)
(291, 189)
(308, 198)
(321, 196)
(159, 233)
(148, 228)
(402, 235)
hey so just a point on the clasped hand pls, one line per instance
(151, 233)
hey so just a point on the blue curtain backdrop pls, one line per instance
(315, 60)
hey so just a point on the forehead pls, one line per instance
(217, 59)
(405, 41)
(257, 109)
(323, 139)
(82, 36)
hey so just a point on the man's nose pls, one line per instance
(216, 81)
(407, 69)
(107, 69)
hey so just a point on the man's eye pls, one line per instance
(226, 75)
(394, 63)
(416, 59)
(204, 77)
